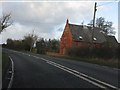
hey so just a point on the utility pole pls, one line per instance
(94, 14)
(94, 20)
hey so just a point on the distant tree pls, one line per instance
(106, 26)
(5, 21)
(108, 29)
(10, 43)
(41, 46)
(18, 45)
(29, 41)
(90, 23)
(100, 22)
(52, 45)
(55, 45)
(48, 45)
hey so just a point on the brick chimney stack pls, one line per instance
(67, 21)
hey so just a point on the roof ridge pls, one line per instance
(83, 25)
(75, 24)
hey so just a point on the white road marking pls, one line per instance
(56, 64)
(64, 67)
(72, 71)
(35, 56)
(96, 84)
(11, 79)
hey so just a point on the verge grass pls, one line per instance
(114, 63)
(5, 63)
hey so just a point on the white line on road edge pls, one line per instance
(64, 67)
(99, 65)
(73, 71)
(11, 79)
(94, 83)
(83, 76)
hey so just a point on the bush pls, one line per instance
(104, 52)
(41, 51)
(118, 52)
(81, 52)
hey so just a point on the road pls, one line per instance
(0, 68)
(40, 71)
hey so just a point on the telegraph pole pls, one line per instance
(94, 14)
(94, 20)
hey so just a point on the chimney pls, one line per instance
(67, 21)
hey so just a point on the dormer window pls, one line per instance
(85, 27)
(80, 37)
(94, 39)
(102, 32)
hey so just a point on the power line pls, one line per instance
(106, 3)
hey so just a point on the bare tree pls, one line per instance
(5, 21)
(106, 26)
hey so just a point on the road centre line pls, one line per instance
(82, 74)
(99, 65)
(64, 67)
(94, 83)
(74, 71)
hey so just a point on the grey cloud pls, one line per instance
(44, 17)
(44, 12)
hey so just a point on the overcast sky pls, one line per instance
(48, 19)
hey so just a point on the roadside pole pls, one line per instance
(93, 25)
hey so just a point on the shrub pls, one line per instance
(104, 52)
(81, 52)
(118, 52)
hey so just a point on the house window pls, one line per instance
(80, 38)
(102, 32)
(94, 39)
(85, 27)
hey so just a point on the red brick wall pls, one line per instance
(68, 42)
(80, 44)
(66, 39)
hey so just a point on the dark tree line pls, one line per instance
(32, 43)
(51, 45)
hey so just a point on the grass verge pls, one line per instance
(5, 63)
(114, 63)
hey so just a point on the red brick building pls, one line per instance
(81, 36)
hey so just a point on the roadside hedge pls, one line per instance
(104, 52)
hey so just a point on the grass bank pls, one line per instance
(114, 63)
(5, 63)
(0, 61)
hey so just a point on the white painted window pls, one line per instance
(94, 39)
(85, 27)
(80, 37)
(102, 32)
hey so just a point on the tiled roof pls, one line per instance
(84, 33)
(112, 40)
